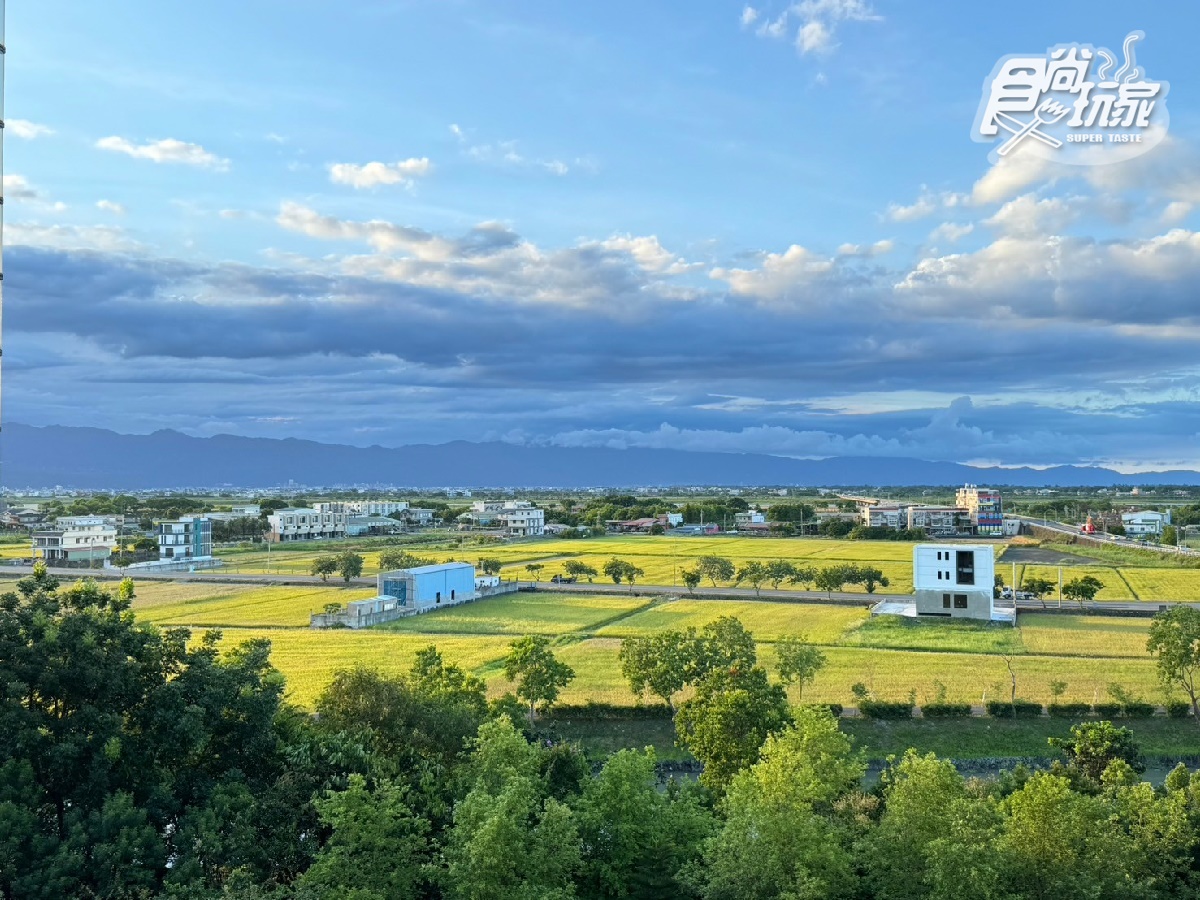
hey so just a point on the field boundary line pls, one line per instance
(1121, 575)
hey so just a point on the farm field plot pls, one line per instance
(891, 674)
(1047, 633)
(521, 614)
(1114, 587)
(308, 659)
(1164, 584)
(767, 621)
(151, 594)
(266, 606)
(899, 633)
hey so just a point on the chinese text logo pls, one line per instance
(1072, 105)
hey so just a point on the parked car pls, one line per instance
(563, 579)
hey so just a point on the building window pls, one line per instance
(945, 601)
(965, 566)
(939, 574)
(439, 597)
(960, 601)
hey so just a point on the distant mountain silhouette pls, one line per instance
(97, 459)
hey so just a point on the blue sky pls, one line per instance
(705, 226)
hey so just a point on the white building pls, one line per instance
(362, 507)
(1146, 522)
(76, 539)
(880, 516)
(749, 517)
(303, 524)
(360, 525)
(245, 511)
(522, 519)
(955, 581)
(421, 518)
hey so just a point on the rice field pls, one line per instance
(767, 621)
(237, 605)
(523, 613)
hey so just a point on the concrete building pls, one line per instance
(1145, 523)
(984, 507)
(76, 539)
(189, 537)
(303, 524)
(362, 507)
(518, 518)
(884, 516)
(749, 517)
(245, 511)
(419, 518)
(359, 525)
(427, 587)
(939, 520)
(954, 581)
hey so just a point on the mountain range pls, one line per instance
(98, 459)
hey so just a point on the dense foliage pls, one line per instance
(143, 763)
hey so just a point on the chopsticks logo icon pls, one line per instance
(1048, 113)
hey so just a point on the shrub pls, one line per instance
(886, 709)
(1179, 709)
(1022, 709)
(946, 710)
(1108, 710)
(1138, 709)
(1070, 710)
(835, 709)
(593, 710)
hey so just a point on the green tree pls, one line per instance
(725, 723)
(534, 570)
(377, 849)
(1038, 588)
(798, 662)
(1169, 536)
(1092, 746)
(394, 558)
(832, 578)
(869, 577)
(349, 565)
(779, 571)
(538, 673)
(490, 566)
(777, 840)
(1083, 589)
(636, 837)
(723, 644)
(803, 575)
(691, 578)
(715, 568)
(509, 840)
(1175, 643)
(659, 662)
(577, 569)
(324, 566)
(753, 572)
(617, 569)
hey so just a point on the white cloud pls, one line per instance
(17, 187)
(111, 206)
(1012, 174)
(23, 128)
(505, 153)
(650, 255)
(951, 231)
(168, 150)
(374, 174)
(1027, 216)
(105, 238)
(816, 22)
(1176, 212)
(779, 276)
(876, 249)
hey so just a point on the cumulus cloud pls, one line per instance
(168, 150)
(111, 206)
(790, 275)
(26, 130)
(749, 15)
(17, 187)
(373, 174)
(951, 231)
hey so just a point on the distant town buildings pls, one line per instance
(75, 539)
(517, 518)
(304, 524)
(1145, 523)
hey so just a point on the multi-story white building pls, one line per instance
(954, 580)
(421, 518)
(304, 524)
(245, 510)
(939, 519)
(984, 507)
(189, 537)
(522, 519)
(362, 507)
(881, 516)
(1145, 523)
(76, 539)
